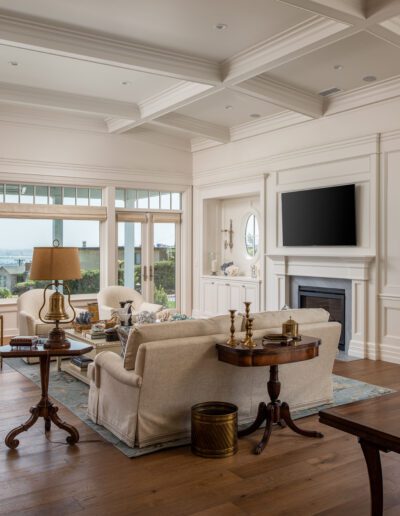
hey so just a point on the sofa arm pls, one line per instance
(26, 323)
(114, 365)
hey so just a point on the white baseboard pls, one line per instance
(362, 349)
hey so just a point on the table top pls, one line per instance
(268, 353)
(376, 420)
(76, 348)
(81, 337)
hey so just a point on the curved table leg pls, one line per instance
(47, 424)
(285, 414)
(261, 416)
(13, 443)
(74, 434)
(373, 460)
(267, 432)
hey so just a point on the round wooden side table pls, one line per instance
(45, 408)
(271, 354)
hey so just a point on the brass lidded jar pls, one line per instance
(290, 328)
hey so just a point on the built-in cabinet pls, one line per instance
(218, 294)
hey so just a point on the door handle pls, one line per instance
(151, 273)
(145, 273)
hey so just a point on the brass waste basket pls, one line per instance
(214, 429)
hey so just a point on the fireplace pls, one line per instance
(333, 300)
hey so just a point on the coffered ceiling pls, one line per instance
(211, 70)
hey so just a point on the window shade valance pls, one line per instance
(37, 211)
(131, 216)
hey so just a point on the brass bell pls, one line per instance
(290, 328)
(56, 310)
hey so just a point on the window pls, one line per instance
(20, 236)
(147, 200)
(252, 236)
(43, 194)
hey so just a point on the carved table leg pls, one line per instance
(373, 460)
(285, 413)
(267, 432)
(13, 443)
(44, 409)
(261, 416)
(74, 434)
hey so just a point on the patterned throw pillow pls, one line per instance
(123, 334)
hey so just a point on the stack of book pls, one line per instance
(81, 361)
(96, 334)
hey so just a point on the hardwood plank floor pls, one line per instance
(295, 476)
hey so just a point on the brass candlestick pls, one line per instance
(249, 342)
(247, 315)
(232, 341)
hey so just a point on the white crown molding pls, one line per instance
(194, 126)
(164, 102)
(267, 125)
(45, 117)
(68, 173)
(360, 97)
(299, 40)
(393, 25)
(346, 11)
(199, 144)
(18, 94)
(32, 33)
(362, 146)
(283, 95)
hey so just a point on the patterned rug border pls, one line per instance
(73, 394)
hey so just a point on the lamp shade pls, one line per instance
(55, 263)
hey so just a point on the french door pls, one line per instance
(148, 255)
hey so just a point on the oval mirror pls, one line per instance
(252, 236)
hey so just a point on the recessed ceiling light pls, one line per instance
(228, 107)
(126, 83)
(338, 67)
(369, 78)
(221, 26)
(255, 115)
(13, 63)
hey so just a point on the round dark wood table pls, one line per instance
(272, 354)
(45, 408)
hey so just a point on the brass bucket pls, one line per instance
(214, 429)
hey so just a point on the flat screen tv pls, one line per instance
(320, 217)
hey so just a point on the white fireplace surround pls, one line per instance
(355, 269)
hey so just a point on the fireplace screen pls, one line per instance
(333, 300)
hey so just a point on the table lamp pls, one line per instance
(56, 264)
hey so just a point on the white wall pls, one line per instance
(34, 152)
(334, 150)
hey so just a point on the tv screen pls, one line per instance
(324, 216)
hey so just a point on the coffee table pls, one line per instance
(272, 355)
(97, 345)
(45, 408)
(376, 423)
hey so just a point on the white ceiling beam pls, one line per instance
(345, 11)
(194, 126)
(283, 95)
(168, 100)
(291, 44)
(16, 94)
(381, 10)
(39, 35)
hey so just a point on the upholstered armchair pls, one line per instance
(28, 306)
(109, 299)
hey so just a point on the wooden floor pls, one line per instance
(295, 476)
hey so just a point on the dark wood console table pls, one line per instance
(272, 355)
(376, 423)
(45, 408)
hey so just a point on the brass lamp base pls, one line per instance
(57, 340)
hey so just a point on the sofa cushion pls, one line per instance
(168, 331)
(264, 320)
(223, 323)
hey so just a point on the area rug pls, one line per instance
(73, 394)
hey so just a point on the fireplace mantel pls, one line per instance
(355, 268)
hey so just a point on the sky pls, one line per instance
(21, 234)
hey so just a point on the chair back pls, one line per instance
(112, 296)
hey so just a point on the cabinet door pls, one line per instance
(250, 292)
(223, 295)
(209, 298)
(236, 297)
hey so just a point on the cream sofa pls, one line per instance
(171, 366)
